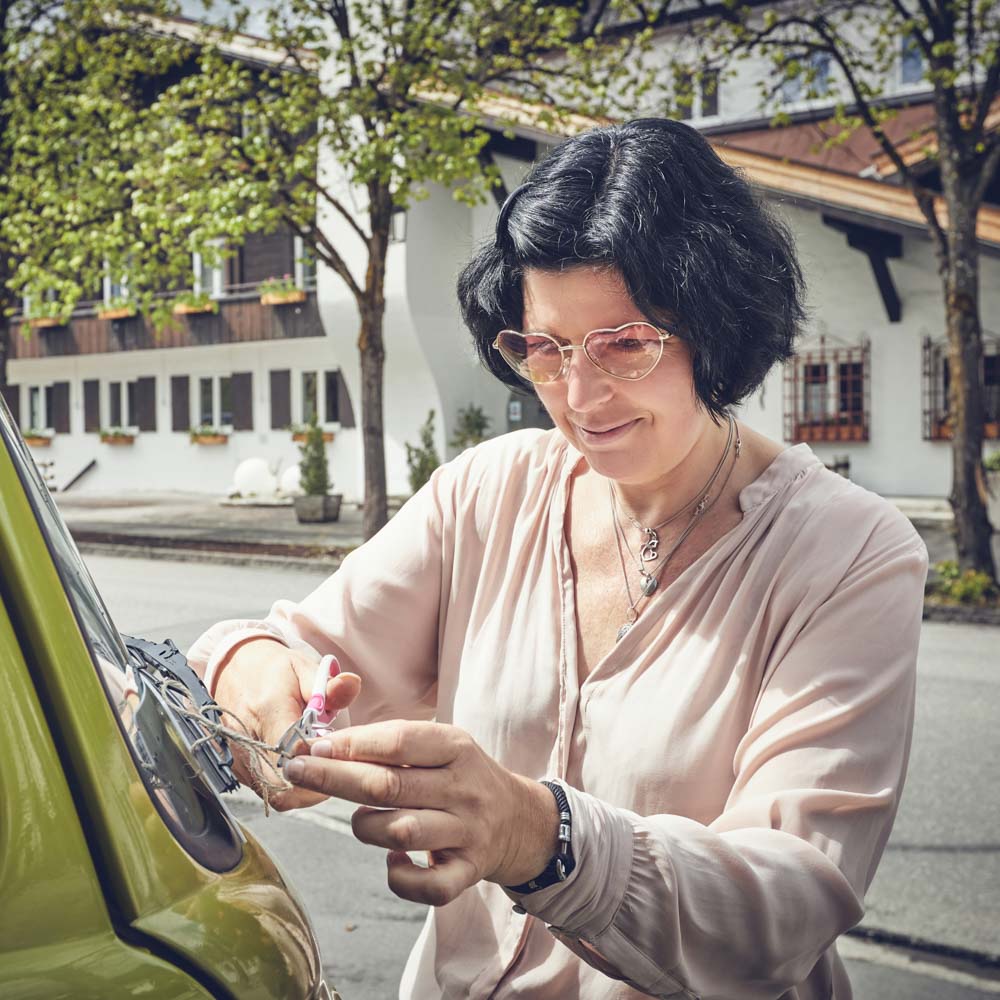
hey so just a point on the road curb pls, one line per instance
(982, 961)
(132, 550)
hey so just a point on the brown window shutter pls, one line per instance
(281, 399)
(91, 405)
(12, 397)
(145, 396)
(180, 403)
(60, 407)
(242, 399)
(345, 412)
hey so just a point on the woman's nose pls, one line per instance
(587, 387)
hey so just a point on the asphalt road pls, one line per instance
(939, 880)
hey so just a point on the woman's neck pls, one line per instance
(651, 502)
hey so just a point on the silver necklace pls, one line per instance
(649, 551)
(650, 547)
(651, 581)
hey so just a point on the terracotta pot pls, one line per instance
(992, 430)
(301, 436)
(313, 509)
(209, 439)
(282, 298)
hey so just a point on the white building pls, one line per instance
(868, 386)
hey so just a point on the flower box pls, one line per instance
(283, 298)
(193, 308)
(301, 436)
(991, 430)
(209, 438)
(119, 312)
(45, 322)
(37, 440)
(117, 438)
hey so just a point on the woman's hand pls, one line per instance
(423, 786)
(266, 685)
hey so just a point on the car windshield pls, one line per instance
(172, 773)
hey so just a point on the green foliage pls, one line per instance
(422, 459)
(963, 586)
(471, 427)
(314, 470)
(992, 462)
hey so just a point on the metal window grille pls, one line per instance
(936, 387)
(827, 394)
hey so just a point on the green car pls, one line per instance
(122, 873)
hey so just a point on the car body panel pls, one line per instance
(57, 936)
(243, 929)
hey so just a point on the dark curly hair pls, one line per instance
(697, 249)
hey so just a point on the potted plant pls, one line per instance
(119, 307)
(203, 434)
(37, 437)
(190, 304)
(422, 459)
(317, 504)
(117, 435)
(48, 313)
(280, 291)
(471, 428)
(300, 432)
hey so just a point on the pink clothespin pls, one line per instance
(315, 720)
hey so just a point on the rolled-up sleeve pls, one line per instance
(747, 904)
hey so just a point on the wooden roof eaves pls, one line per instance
(817, 188)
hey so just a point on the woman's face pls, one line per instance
(635, 432)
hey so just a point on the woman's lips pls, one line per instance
(609, 435)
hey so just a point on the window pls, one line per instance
(937, 387)
(826, 394)
(911, 61)
(115, 288)
(812, 82)
(214, 402)
(122, 405)
(319, 395)
(208, 274)
(40, 408)
(704, 95)
(305, 265)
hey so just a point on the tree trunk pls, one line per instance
(372, 348)
(960, 273)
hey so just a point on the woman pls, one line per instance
(706, 641)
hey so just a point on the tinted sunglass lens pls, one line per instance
(533, 356)
(630, 352)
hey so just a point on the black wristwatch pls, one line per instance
(561, 866)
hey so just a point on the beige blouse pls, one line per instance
(733, 765)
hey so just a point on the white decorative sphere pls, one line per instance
(253, 478)
(290, 484)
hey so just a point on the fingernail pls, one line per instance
(294, 770)
(321, 748)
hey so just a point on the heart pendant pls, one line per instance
(649, 585)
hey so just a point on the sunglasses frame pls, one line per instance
(566, 351)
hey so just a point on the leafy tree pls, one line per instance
(959, 42)
(391, 93)
(75, 90)
(471, 427)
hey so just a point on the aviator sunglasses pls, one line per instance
(630, 351)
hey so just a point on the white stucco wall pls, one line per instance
(846, 306)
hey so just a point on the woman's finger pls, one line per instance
(409, 829)
(444, 880)
(374, 784)
(416, 744)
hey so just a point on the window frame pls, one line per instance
(838, 364)
(298, 397)
(45, 389)
(194, 401)
(217, 273)
(125, 404)
(935, 379)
